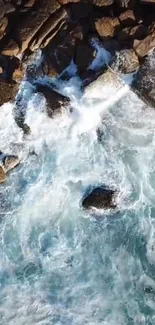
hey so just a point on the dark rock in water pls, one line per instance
(55, 101)
(100, 198)
(145, 81)
(10, 162)
(2, 175)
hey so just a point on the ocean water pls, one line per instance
(59, 264)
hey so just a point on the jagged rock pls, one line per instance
(131, 33)
(64, 2)
(8, 92)
(107, 27)
(126, 3)
(9, 8)
(56, 102)
(84, 56)
(30, 3)
(3, 26)
(145, 81)
(143, 47)
(10, 48)
(100, 198)
(9, 162)
(49, 30)
(127, 18)
(125, 61)
(2, 175)
(58, 55)
(103, 3)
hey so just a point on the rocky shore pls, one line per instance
(64, 31)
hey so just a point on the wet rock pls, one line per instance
(9, 162)
(8, 92)
(10, 48)
(107, 27)
(131, 33)
(49, 29)
(2, 11)
(128, 18)
(64, 2)
(125, 61)
(56, 102)
(84, 56)
(58, 55)
(2, 175)
(3, 26)
(145, 81)
(126, 3)
(100, 198)
(143, 47)
(103, 3)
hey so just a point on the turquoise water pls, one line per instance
(58, 264)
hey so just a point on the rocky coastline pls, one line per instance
(64, 31)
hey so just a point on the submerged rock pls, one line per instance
(55, 101)
(100, 198)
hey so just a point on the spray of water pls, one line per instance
(58, 264)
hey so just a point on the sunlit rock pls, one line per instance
(10, 162)
(100, 198)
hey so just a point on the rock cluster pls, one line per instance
(63, 29)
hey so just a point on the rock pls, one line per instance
(131, 33)
(145, 81)
(126, 3)
(48, 30)
(107, 27)
(9, 8)
(2, 11)
(143, 47)
(64, 2)
(10, 48)
(147, 1)
(56, 102)
(100, 198)
(8, 92)
(125, 61)
(58, 55)
(103, 3)
(3, 26)
(10, 162)
(2, 175)
(127, 18)
(84, 56)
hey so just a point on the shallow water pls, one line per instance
(58, 264)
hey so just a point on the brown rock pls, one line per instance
(125, 61)
(11, 48)
(64, 2)
(3, 26)
(10, 162)
(2, 175)
(49, 28)
(103, 3)
(9, 8)
(8, 92)
(84, 56)
(107, 27)
(127, 18)
(148, 1)
(143, 47)
(30, 3)
(56, 102)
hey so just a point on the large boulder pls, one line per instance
(143, 47)
(100, 198)
(145, 81)
(107, 27)
(125, 61)
(56, 103)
